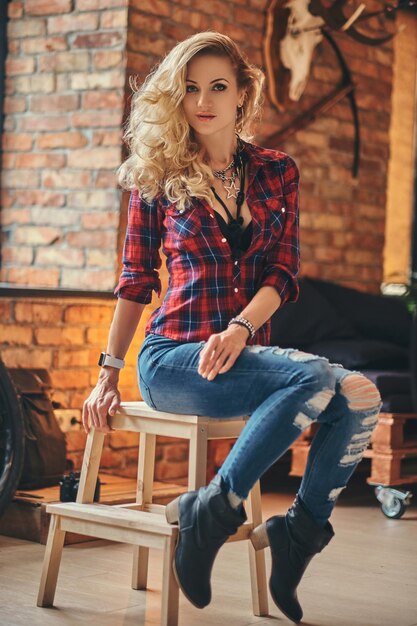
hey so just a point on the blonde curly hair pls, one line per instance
(164, 157)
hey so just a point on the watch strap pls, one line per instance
(107, 359)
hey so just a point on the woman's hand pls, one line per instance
(221, 351)
(103, 400)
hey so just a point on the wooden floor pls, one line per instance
(367, 576)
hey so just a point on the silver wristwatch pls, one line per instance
(107, 359)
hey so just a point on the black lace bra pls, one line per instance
(246, 235)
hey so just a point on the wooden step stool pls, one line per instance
(143, 523)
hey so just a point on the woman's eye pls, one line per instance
(219, 87)
(191, 88)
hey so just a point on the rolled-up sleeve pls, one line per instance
(141, 259)
(282, 262)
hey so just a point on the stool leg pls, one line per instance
(170, 589)
(51, 563)
(257, 559)
(90, 467)
(144, 491)
(197, 459)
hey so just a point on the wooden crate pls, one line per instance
(26, 517)
(393, 440)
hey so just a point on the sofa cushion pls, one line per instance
(312, 318)
(373, 316)
(362, 353)
(390, 382)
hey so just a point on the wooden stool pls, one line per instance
(143, 523)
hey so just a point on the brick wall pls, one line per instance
(61, 219)
(65, 76)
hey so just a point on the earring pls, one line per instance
(240, 113)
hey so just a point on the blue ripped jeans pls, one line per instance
(283, 391)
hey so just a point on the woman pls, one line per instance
(226, 212)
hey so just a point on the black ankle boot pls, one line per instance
(206, 520)
(294, 539)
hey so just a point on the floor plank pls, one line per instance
(367, 576)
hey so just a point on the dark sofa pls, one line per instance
(373, 334)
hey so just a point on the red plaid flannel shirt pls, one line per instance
(207, 287)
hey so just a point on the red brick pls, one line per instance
(107, 138)
(66, 179)
(54, 217)
(19, 179)
(15, 216)
(69, 378)
(99, 40)
(14, 104)
(95, 199)
(103, 280)
(197, 20)
(97, 336)
(114, 19)
(137, 63)
(37, 236)
(41, 160)
(146, 23)
(73, 358)
(15, 335)
(92, 239)
(59, 336)
(26, 28)
(175, 453)
(97, 119)
(102, 100)
(17, 255)
(142, 42)
(82, 313)
(100, 220)
(65, 257)
(98, 80)
(38, 313)
(101, 258)
(158, 7)
(104, 158)
(47, 7)
(69, 102)
(5, 310)
(64, 62)
(62, 140)
(15, 10)
(19, 66)
(18, 141)
(104, 180)
(38, 83)
(120, 439)
(44, 44)
(24, 357)
(72, 23)
(105, 59)
(164, 470)
(97, 5)
(76, 440)
(44, 122)
(32, 276)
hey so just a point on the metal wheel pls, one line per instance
(393, 501)
(395, 509)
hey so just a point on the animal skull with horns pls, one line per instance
(296, 27)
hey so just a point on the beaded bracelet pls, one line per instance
(244, 322)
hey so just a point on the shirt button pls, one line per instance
(224, 239)
(283, 209)
(211, 215)
(236, 262)
(236, 289)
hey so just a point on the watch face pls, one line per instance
(101, 359)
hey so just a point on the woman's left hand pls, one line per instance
(221, 351)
